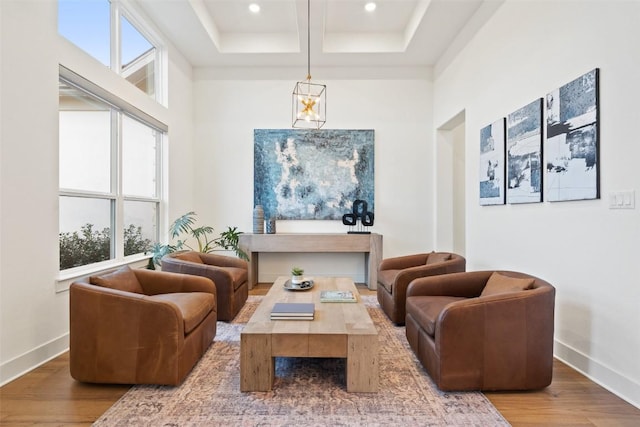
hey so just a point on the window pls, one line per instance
(88, 24)
(140, 165)
(138, 58)
(109, 179)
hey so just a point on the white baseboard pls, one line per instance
(18, 366)
(606, 377)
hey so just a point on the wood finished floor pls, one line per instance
(48, 396)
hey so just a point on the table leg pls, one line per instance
(362, 363)
(257, 367)
(372, 260)
(253, 268)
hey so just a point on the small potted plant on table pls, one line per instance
(297, 275)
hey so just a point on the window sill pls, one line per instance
(65, 278)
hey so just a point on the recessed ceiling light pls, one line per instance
(370, 7)
(254, 7)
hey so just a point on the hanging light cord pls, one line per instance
(309, 40)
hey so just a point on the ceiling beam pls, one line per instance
(206, 21)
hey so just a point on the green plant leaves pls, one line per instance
(185, 224)
(182, 224)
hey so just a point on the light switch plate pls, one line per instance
(622, 199)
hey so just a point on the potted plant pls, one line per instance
(184, 227)
(297, 275)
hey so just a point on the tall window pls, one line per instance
(104, 30)
(110, 172)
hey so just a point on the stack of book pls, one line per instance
(337, 296)
(292, 311)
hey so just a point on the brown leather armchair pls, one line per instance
(231, 276)
(483, 330)
(139, 326)
(395, 274)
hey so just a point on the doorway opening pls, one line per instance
(450, 229)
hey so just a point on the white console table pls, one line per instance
(369, 244)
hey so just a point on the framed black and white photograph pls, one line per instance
(571, 146)
(524, 154)
(492, 163)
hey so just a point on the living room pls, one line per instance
(524, 50)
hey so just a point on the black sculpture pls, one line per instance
(359, 218)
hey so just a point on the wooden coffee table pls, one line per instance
(338, 330)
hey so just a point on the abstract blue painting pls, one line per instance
(571, 148)
(312, 174)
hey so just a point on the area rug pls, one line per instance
(307, 392)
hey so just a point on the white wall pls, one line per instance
(226, 113)
(34, 317)
(179, 159)
(588, 251)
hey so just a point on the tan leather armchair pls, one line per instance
(395, 274)
(231, 276)
(483, 330)
(139, 326)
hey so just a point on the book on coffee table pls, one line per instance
(292, 311)
(337, 296)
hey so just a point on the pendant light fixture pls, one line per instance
(309, 99)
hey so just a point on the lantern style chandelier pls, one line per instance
(309, 99)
